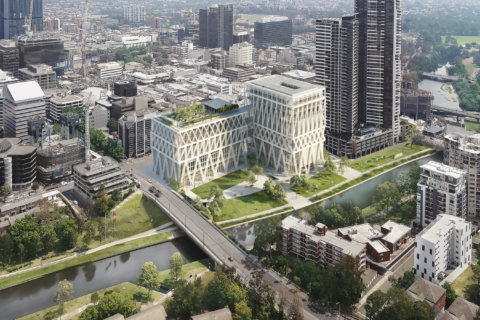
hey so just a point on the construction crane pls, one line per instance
(28, 19)
(84, 41)
(405, 63)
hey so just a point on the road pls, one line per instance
(213, 240)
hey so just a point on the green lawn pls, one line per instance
(368, 212)
(472, 125)
(462, 281)
(135, 216)
(225, 182)
(365, 164)
(127, 246)
(461, 40)
(324, 180)
(187, 270)
(207, 277)
(250, 204)
(126, 287)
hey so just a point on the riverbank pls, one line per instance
(86, 258)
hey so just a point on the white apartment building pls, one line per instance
(109, 70)
(135, 41)
(463, 152)
(134, 13)
(289, 123)
(441, 189)
(182, 49)
(21, 101)
(446, 240)
(60, 105)
(4, 79)
(240, 54)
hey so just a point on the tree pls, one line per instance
(450, 294)
(262, 162)
(269, 186)
(175, 185)
(57, 128)
(97, 139)
(187, 299)
(5, 190)
(412, 132)
(89, 233)
(279, 192)
(115, 302)
(67, 232)
(225, 289)
(215, 209)
(396, 304)
(266, 234)
(148, 59)
(48, 237)
(101, 230)
(81, 127)
(101, 203)
(198, 204)
(35, 186)
(329, 165)
(475, 277)
(150, 276)
(295, 309)
(343, 164)
(257, 170)
(407, 181)
(250, 179)
(90, 313)
(422, 311)
(117, 195)
(63, 294)
(295, 180)
(176, 263)
(386, 195)
(242, 311)
(94, 298)
(6, 248)
(25, 236)
(112, 125)
(46, 214)
(403, 282)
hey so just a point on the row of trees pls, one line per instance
(469, 94)
(100, 144)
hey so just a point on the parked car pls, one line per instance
(152, 189)
(149, 180)
(8, 200)
(32, 193)
(19, 197)
(75, 202)
(64, 183)
(230, 258)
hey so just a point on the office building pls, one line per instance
(63, 105)
(216, 26)
(462, 151)
(109, 70)
(219, 61)
(379, 67)
(21, 100)
(239, 73)
(41, 73)
(241, 36)
(42, 49)
(445, 241)
(182, 49)
(125, 89)
(4, 79)
(441, 189)
(194, 153)
(12, 17)
(102, 171)
(99, 117)
(134, 13)
(120, 107)
(134, 130)
(17, 163)
(272, 32)
(336, 69)
(318, 244)
(9, 57)
(240, 54)
(289, 123)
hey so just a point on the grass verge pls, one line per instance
(127, 246)
(369, 163)
(187, 270)
(126, 287)
(462, 281)
(233, 223)
(369, 212)
(225, 182)
(324, 180)
(461, 40)
(250, 204)
(368, 176)
(472, 125)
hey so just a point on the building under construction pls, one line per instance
(415, 104)
(55, 163)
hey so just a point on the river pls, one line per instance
(35, 295)
(360, 196)
(443, 93)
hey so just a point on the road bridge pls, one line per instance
(456, 113)
(439, 77)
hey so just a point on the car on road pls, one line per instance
(230, 258)
(8, 200)
(149, 180)
(19, 197)
(158, 194)
(152, 189)
(64, 183)
(32, 193)
(75, 202)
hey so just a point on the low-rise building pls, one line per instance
(317, 244)
(42, 73)
(240, 54)
(433, 294)
(109, 70)
(239, 73)
(99, 117)
(434, 132)
(441, 189)
(135, 41)
(447, 240)
(61, 105)
(461, 308)
(134, 130)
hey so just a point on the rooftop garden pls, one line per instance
(184, 116)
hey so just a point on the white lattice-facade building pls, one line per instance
(195, 152)
(289, 123)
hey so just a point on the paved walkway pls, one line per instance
(244, 188)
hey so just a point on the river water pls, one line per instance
(360, 196)
(35, 295)
(443, 93)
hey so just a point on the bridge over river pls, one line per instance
(439, 77)
(455, 113)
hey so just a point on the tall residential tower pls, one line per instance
(216, 26)
(12, 17)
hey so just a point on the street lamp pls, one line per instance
(338, 309)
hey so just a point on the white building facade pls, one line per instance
(240, 53)
(109, 70)
(134, 13)
(60, 105)
(193, 153)
(446, 240)
(289, 123)
(441, 189)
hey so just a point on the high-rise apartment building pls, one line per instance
(240, 54)
(380, 23)
(9, 57)
(336, 68)
(272, 31)
(12, 17)
(5, 78)
(134, 13)
(463, 152)
(216, 26)
(441, 189)
(446, 240)
(134, 130)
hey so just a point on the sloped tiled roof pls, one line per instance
(427, 290)
(462, 309)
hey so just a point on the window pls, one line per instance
(430, 251)
(433, 275)
(425, 260)
(418, 256)
(433, 264)
(425, 271)
(418, 267)
(423, 248)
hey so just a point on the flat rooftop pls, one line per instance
(216, 103)
(284, 85)
(67, 99)
(443, 169)
(362, 233)
(441, 224)
(397, 231)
